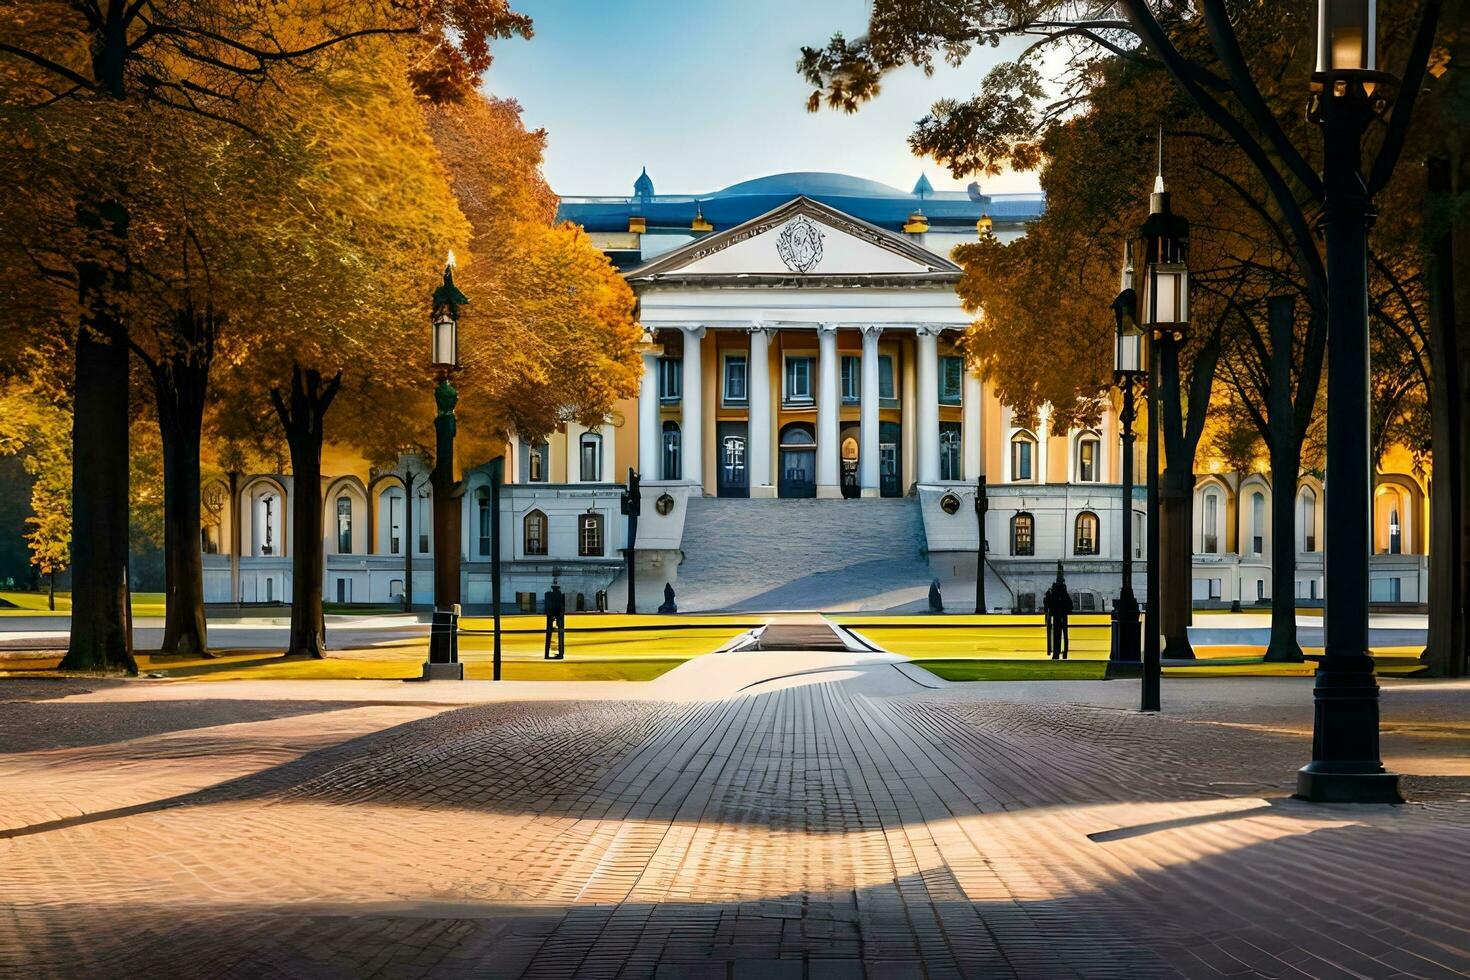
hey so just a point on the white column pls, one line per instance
(1043, 438)
(928, 404)
(970, 436)
(868, 472)
(829, 398)
(758, 429)
(691, 429)
(649, 434)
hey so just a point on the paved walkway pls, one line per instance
(766, 815)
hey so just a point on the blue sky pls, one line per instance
(705, 93)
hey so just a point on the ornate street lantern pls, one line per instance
(1165, 306)
(984, 225)
(1128, 349)
(445, 340)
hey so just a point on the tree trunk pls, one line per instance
(1176, 563)
(100, 635)
(1286, 464)
(51, 590)
(1445, 654)
(302, 420)
(179, 383)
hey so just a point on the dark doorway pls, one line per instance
(849, 445)
(798, 461)
(733, 475)
(890, 459)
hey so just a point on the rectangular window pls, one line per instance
(798, 381)
(950, 451)
(344, 526)
(1021, 453)
(852, 373)
(1260, 590)
(735, 387)
(670, 379)
(1214, 588)
(590, 536)
(591, 458)
(886, 390)
(1087, 461)
(1314, 588)
(951, 380)
(395, 525)
(483, 507)
(1211, 523)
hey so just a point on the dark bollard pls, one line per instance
(602, 600)
(443, 662)
(668, 608)
(936, 601)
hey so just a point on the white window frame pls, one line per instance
(726, 397)
(787, 396)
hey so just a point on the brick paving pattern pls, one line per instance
(812, 830)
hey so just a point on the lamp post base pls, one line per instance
(443, 672)
(1326, 786)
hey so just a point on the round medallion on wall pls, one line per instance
(799, 244)
(664, 504)
(949, 503)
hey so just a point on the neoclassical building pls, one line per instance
(800, 335)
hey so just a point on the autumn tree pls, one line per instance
(92, 65)
(39, 434)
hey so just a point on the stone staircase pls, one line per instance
(830, 555)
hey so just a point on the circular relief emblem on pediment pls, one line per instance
(799, 244)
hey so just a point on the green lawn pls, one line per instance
(1015, 670)
(36, 604)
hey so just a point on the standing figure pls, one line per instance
(556, 618)
(1061, 608)
(1046, 610)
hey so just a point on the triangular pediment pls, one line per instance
(802, 238)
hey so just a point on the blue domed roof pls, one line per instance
(811, 184)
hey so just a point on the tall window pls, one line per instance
(1395, 533)
(886, 390)
(1139, 530)
(1084, 534)
(852, 378)
(735, 391)
(670, 379)
(1023, 535)
(951, 380)
(422, 521)
(268, 506)
(950, 465)
(591, 444)
(1309, 519)
(589, 535)
(1023, 451)
(798, 381)
(671, 451)
(1087, 453)
(344, 525)
(535, 527)
(395, 525)
(1211, 524)
(1258, 524)
(538, 462)
(482, 520)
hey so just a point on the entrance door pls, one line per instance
(890, 460)
(798, 461)
(734, 480)
(849, 442)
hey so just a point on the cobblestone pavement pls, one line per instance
(849, 826)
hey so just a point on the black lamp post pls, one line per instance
(982, 506)
(1347, 91)
(1128, 371)
(632, 507)
(1164, 311)
(448, 489)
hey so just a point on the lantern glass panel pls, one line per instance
(1345, 35)
(444, 342)
(1129, 353)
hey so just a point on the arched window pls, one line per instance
(1210, 524)
(1089, 448)
(589, 535)
(1308, 521)
(671, 451)
(1023, 458)
(1258, 523)
(535, 524)
(1084, 534)
(1023, 534)
(482, 520)
(344, 525)
(591, 444)
(949, 451)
